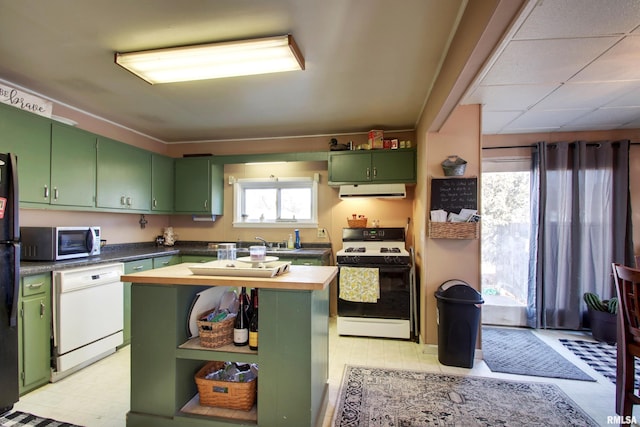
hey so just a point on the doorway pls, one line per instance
(505, 235)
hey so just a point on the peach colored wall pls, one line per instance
(332, 211)
(115, 227)
(443, 259)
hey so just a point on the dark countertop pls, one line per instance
(137, 251)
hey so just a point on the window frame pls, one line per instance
(240, 185)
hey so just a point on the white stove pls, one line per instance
(382, 250)
(373, 246)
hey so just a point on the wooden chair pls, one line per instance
(628, 290)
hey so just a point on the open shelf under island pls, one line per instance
(292, 355)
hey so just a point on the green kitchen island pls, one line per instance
(292, 354)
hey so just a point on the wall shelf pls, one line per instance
(454, 230)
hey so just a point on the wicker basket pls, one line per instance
(454, 230)
(215, 334)
(357, 223)
(224, 394)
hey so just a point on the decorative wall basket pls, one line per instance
(454, 166)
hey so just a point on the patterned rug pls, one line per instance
(519, 351)
(17, 418)
(388, 397)
(599, 355)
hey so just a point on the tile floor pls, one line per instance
(98, 396)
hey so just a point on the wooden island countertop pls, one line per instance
(299, 277)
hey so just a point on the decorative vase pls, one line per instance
(604, 325)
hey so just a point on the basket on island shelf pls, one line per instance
(357, 222)
(224, 394)
(215, 334)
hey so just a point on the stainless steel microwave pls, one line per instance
(58, 243)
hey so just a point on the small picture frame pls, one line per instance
(394, 144)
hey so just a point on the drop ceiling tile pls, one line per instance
(580, 18)
(494, 121)
(619, 63)
(614, 117)
(545, 118)
(509, 97)
(544, 61)
(529, 130)
(630, 99)
(631, 125)
(584, 95)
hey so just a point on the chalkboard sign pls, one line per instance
(453, 194)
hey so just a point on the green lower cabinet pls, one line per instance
(131, 267)
(197, 258)
(165, 261)
(292, 358)
(304, 261)
(136, 267)
(34, 332)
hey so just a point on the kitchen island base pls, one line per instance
(292, 358)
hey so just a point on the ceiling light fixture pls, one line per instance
(214, 60)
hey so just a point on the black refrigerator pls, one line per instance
(9, 281)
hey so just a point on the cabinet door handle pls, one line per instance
(368, 173)
(155, 203)
(123, 200)
(55, 193)
(46, 192)
(129, 201)
(206, 203)
(375, 172)
(165, 263)
(35, 285)
(41, 309)
(139, 267)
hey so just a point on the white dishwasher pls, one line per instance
(87, 316)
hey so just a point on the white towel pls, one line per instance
(359, 284)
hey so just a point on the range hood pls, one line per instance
(381, 191)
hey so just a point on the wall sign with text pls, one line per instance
(25, 101)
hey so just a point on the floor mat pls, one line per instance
(17, 419)
(392, 397)
(519, 351)
(599, 355)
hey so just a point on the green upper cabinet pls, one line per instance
(199, 186)
(28, 136)
(73, 166)
(376, 166)
(124, 176)
(162, 183)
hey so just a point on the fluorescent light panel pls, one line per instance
(214, 60)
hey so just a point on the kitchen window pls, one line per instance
(275, 202)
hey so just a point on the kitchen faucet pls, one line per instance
(264, 242)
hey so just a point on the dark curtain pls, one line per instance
(581, 223)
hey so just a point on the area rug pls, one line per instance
(519, 351)
(17, 418)
(388, 397)
(599, 355)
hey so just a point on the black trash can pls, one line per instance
(458, 323)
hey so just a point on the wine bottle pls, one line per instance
(253, 324)
(241, 325)
(250, 304)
